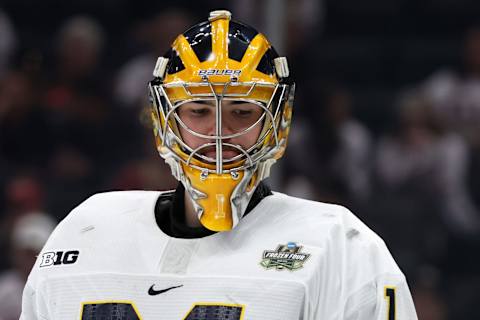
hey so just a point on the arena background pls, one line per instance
(386, 122)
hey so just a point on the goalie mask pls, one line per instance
(221, 107)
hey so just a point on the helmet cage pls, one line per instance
(168, 122)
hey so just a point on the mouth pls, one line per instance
(227, 152)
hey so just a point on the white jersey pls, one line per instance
(287, 259)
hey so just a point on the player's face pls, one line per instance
(237, 116)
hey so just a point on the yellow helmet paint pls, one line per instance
(221, 60)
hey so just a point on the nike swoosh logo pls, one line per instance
(154, 292)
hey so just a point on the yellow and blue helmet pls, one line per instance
(218, 60)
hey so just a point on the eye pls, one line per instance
(242, 112)
(199, 111)
(196, 111)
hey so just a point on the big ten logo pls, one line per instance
(59, 257)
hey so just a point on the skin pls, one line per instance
(199, 116)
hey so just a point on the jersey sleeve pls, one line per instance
(32, 305)
(69, 238)
(34, 301)
(387, 297)
(375, 287)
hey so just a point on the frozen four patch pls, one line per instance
(284, 257)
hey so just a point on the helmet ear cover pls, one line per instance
(221, 60)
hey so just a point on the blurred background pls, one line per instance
(386, 122)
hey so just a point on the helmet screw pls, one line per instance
(203, 175)
(234, 175)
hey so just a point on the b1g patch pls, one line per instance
(284, 257)
(56, 258)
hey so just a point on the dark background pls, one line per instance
(386, 119)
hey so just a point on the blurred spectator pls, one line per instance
(290, 27)
(24, 132)
(144, 174)
(131, 82)
(300, 186)
(75, 96)
(334, 150)
(351, 162)
(455, 95)
(30, 232)
(79, 114)
(23, 194)
(145, 171)
(8, 42)
(79, 46)
(423, 150)
(423, 201)
(429, 295)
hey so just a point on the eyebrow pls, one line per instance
(212, 102)
(203, 101)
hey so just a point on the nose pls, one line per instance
(226, 128)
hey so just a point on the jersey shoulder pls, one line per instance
(336, 229)
(332, 216)
(116, 201)
(109, 212)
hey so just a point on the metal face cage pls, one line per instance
(168, 124)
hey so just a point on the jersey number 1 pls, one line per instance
(390, 297)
